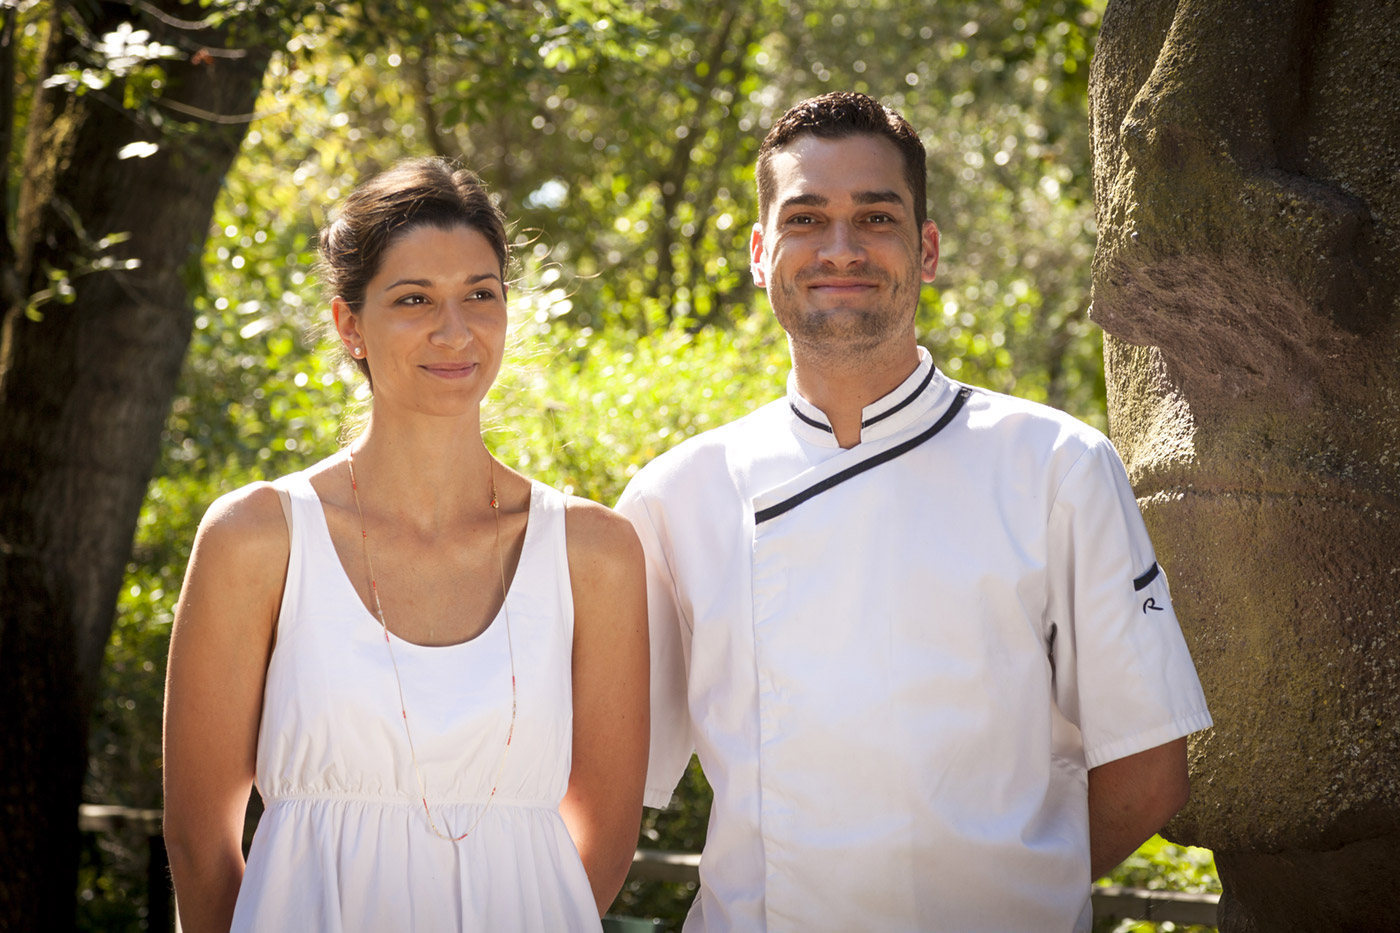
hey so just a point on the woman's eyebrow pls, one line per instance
(424, 283)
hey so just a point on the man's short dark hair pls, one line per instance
(834, 116)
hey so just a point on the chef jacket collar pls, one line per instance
(881, 418)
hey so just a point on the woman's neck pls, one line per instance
(430, 473)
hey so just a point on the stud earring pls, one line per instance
(357, 351)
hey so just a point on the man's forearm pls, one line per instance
(1131, 798)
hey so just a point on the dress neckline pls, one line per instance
(343, 576)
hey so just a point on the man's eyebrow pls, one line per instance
(887, 196)
(804, 200)
(884, 196)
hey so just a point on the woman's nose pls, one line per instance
(450, 329)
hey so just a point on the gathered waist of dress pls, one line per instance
(399, 800)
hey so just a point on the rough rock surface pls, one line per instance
(1247, 176)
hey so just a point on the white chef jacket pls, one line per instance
(897, 662)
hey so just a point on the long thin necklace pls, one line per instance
(403, 708)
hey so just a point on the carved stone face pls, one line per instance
(1247, 175)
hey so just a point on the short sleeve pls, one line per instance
(1123, 674)
(671, 740)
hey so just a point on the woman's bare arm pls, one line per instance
(219, 649)
(603, 805)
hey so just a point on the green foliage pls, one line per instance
(588, 411)
(1160, 865)
(125, 52)
(679, 828)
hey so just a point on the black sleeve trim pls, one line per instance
(1147, 577)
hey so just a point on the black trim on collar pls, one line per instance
(912, 395)
(1147, 577)
(836, 479)
(882, 415)
(812, 421)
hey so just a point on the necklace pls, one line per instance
(403, 708)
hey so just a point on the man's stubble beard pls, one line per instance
(843, 337)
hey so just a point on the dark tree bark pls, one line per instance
(84, 390)
(672, 178)
(1247, 178)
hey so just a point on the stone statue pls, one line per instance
(1247, 177)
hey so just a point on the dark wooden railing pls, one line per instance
(100, 818)
(647, 865)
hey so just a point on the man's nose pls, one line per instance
(842, 246)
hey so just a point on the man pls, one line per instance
(914, 630)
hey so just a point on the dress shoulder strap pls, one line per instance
(298, 500)
(550, 559)
(286, 499)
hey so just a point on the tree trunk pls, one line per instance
(84, 390)
(1247, 180)
(673, 177)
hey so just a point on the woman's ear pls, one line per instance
(347, 325)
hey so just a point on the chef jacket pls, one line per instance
(897, 662)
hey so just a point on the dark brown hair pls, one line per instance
(836, 115)
(413, 193)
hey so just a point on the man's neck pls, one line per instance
(843, 388)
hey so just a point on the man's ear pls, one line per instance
(928, 250)
(757, 257)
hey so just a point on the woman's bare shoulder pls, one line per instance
(244, 525)
(593, 528)
(606, 563)
(251, 517)
(237, 569)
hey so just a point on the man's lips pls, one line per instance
(822, 278)
(841, 286)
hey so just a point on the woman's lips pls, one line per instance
(451, 370)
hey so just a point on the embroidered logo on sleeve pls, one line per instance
(1142, 582)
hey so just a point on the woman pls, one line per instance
(402, 643)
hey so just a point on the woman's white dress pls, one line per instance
(344, 844)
